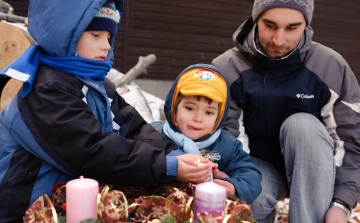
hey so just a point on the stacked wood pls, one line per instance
(139, 68)
(13, 18)
(14, 40)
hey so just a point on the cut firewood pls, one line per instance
(14, 40)
(9, 92)
(135, 71)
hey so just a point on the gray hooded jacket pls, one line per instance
(330, 92)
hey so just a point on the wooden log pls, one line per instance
(14, 40)
(9, 92)
(13, 18)
(135, 71)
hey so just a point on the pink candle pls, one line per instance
(209, 196)
(81, 199)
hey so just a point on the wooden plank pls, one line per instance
(337, 4)
(179, 23)
(170, 61)
(214, 5)
(192, 31)
(171, 53)
(175, 36)
(175, 28)
(182, 45)
(20, 7)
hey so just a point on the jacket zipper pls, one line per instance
(266, 125)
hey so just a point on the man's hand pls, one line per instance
(335, 215)
(189, 169)
(230, 189)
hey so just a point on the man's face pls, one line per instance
(280, 30)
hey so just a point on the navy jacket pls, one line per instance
(313, 79)
(226, 151)
(54, 133)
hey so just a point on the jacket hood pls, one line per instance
(243, 38)
(57, 25)
(173, 92)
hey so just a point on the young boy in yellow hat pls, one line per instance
(195, 109)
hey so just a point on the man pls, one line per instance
(296, 104)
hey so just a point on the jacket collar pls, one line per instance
(278, 67)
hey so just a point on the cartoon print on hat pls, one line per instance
(205, 75)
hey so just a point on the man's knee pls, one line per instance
(302, 123)
(264, 207)
(299, 120)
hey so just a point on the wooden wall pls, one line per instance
(181, 33)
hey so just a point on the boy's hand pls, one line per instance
(230, 189)
(189, 169)
(219, 174)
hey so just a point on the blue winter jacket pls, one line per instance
(59, 131)
(226, 151)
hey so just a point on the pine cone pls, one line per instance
(58, 197)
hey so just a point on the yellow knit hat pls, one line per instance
(203, 82)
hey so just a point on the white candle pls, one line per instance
(81, 199)
(209, 196)
(210, 178)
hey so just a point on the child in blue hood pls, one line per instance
(68, 121)
(195, 109)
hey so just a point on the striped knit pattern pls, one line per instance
(106, 19)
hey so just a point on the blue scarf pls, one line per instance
(25, 67)
(187, 144)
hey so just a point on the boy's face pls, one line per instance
(196, 119)
(94, 45)
(280, 30)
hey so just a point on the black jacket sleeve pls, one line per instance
(68, 132)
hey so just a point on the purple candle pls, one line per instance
(209, 196)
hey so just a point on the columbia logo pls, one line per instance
(305, 96)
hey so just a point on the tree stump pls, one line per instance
(14, 40)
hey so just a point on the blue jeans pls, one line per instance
(310, 172)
